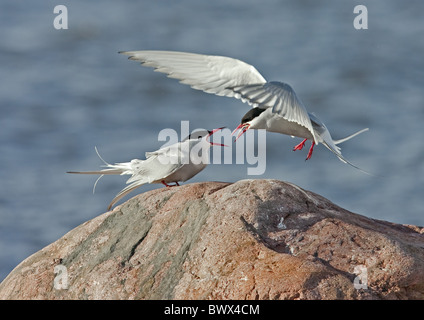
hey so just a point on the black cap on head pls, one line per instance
(252, 114)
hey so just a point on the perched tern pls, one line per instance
(178, 162)
(276, 106)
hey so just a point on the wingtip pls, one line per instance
(118, 197)
(130, 54)
(112, 203)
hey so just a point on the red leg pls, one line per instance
(170, 185)
(300, 145)
(165, 184)
(310, 151)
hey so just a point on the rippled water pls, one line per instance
(65, 91)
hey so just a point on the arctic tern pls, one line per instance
(178, 162)
(276, 106)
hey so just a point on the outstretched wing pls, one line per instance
(211, 74)
(280, 97)
(229, 77)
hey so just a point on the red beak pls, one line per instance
(243, 127)
(214, 143)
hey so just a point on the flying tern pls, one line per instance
(262, 118)
(276, 106)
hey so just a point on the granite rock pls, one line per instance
(253, 239)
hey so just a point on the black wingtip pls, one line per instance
(126, 53)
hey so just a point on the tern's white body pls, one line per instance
(172, 164)
(274, 123)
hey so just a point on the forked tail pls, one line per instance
(118, 168)
(343, 159)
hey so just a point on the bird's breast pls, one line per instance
(278, 124)
(185, 173)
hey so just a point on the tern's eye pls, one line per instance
(193, 136)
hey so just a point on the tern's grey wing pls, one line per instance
(323, 135)
(280, 97)
(158, 165)
(164, 162)
(153, 171)
(211, 74)
(123, 193)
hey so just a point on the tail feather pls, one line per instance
(117, 168)
(126, 191)
(350, 137)
(102, 172)
(112, 169)
(124, 168)
(343, 159)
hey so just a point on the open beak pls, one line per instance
(242, 127)
(214, 143)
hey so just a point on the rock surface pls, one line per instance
(254, 239)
